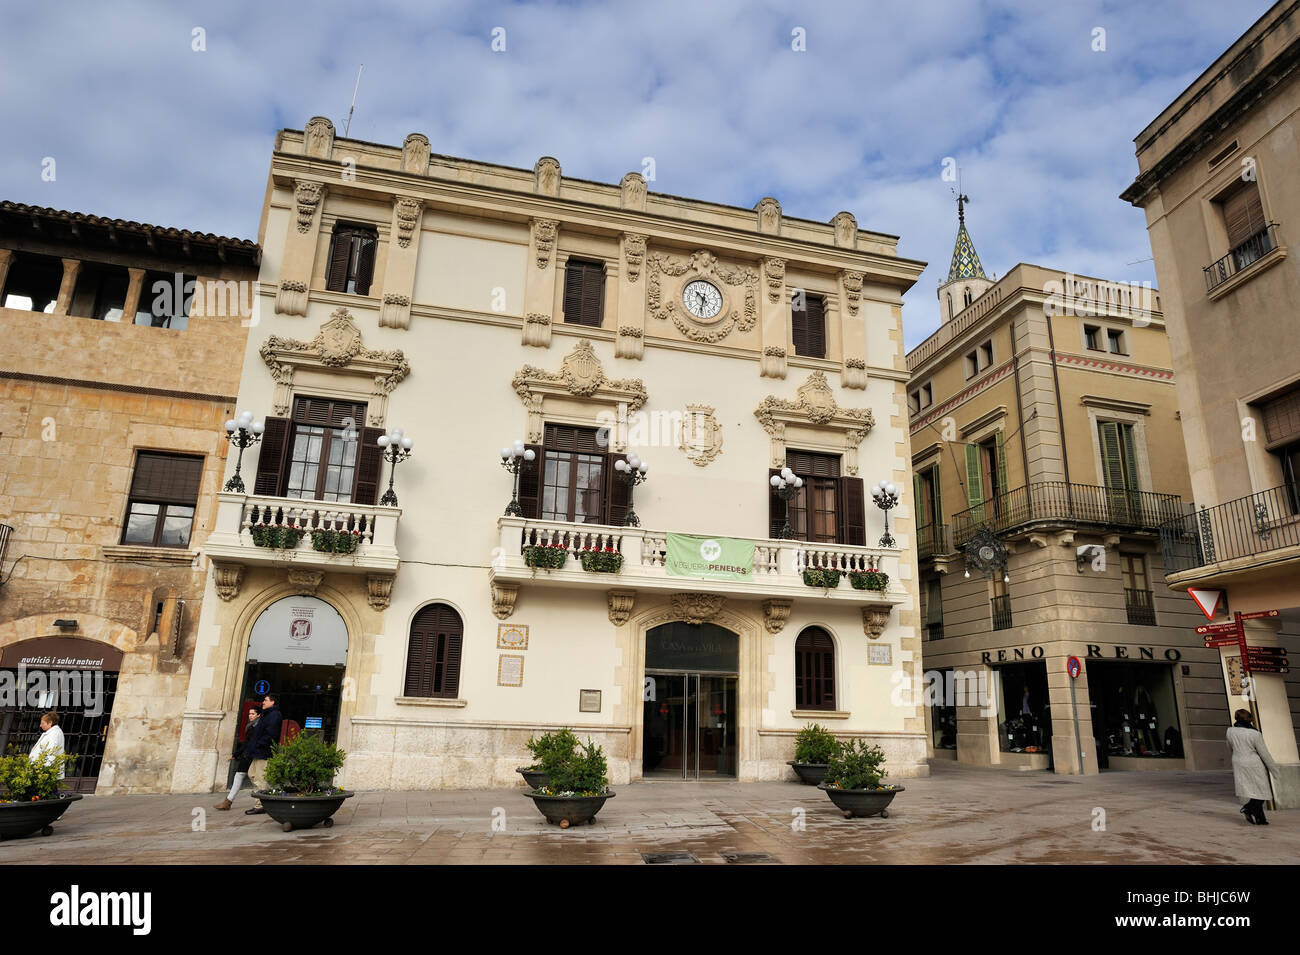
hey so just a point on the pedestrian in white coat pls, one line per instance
(1251, 765)
(50, 745)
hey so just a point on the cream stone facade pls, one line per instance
(465, 339)
(1217, 181)
(1044, 414)
(83, 403)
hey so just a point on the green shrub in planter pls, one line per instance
(869, 580)
(561, 741)
(822, 578)
(573, 770)
(856, 764)
(305, 766)
(546, 556)
(276, 535)
(607, 561)
(335, 542)
(26, 780)
(815, 744)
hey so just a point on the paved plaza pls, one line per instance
(957, 815)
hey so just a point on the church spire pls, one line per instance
(965, 260)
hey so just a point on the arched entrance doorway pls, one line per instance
(297, 649)
(689, 724)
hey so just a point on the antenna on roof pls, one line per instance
(348, 124)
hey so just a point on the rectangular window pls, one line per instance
(165, 300)
(1118, 455)
(972, 364)
(927, 395)
(1290, 458)
(808, 325)
(351, 266)
(574, 475)
(986, 354)
(1243, 215)
(934, 609)
(993, 471)
(100, 292)
(323, 449)
(1000, 604)
(584, 292)
(813, 510)
(1115, 342)
(33, 283)
(1092, 337)
(914, 402)
(928, 499)
(164, 493)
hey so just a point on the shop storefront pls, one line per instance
(1024, 714)
(1134, 712)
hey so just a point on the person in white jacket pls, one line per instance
(50, 745)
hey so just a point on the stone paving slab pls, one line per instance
(957, 815)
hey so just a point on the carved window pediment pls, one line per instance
(580, 376)
(815, 407)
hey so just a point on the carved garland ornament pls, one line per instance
(697, 608)
(544, 239)
(307, 196)
(634, 255)
(408, 217)
(702, 264)
(853, 290)
(774, 268)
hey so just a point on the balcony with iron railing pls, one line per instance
(1001, 608)
(777, 570)
(1241, 257)
(1233, 537)
(932, 540)
(1056, 502)
(1140, 607)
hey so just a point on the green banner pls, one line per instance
(713, 558)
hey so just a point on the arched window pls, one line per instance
(814, 670)
(966, 296)
(950, 304)
(433, 655)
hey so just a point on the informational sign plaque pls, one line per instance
(510, 670)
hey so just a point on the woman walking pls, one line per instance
(1251, 765)
(261, 735)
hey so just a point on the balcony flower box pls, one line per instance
(335, 542)
(605, 561)
(826, 579)
(276, 535)
(869, 580)
(546, 556)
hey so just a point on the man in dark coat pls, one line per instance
(261, 734)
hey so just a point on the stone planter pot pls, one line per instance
(566, 811)
(862, 802)
(810, 774)
(18, 819)
(293, 811)
(535, 778)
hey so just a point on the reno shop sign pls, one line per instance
(1095, 652)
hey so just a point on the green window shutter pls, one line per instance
(974, 480)
(938, 494)
(918, 504)
(1112, 464)
(1130, 458)
(1003, 483)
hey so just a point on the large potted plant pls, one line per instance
(577, 782)
(300, 782)
(561, 740)
(31, 800)
(854, 780)
(814, 745)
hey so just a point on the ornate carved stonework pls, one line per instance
(630, 342)
(633, 191)
(852, 290)
(305, 582)
(776, 612)
(415, 154)
(580, 375)
(379, 589)
(396, 311)
(846, 230)
(227, 578)
(769, 216)
(633, 255)
(291, 298)
(854, 374)
(774, 363)
(503, 599)
(544, 240)
(537, 330)
(546, 176)
(337, 345)
(318, 137)
(620, 605)
(701, 436)
(815, 405)
(702, 264)
(408, 218)
(874, 620)
(774, 270)
(307, 197)
(697, 608)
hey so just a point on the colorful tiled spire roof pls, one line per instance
(965, 260)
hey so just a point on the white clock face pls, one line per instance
(702, 299)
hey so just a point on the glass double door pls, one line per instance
(689, 726)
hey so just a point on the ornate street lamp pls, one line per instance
(632, 470)
(397, 448)
(512, 459)
(886, 496)
(787, 485)
(986, 553)
(243, 432)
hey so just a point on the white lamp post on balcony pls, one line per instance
(397, 448)
(787, 485)
(242, 432)
(512, 459)
(886, 496)
(633, 471)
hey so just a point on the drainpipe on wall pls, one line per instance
(1060, 415)
(1020, 408)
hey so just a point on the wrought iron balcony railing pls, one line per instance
(1254, 248)
(933, 539)
(1001, 606)
(1248, 527)
(1059, 502)
(1140, 606)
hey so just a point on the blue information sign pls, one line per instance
(313, 723)
(262, 687)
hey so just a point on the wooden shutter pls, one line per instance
(366, 262)
(530, 483)
(617, 492)
(584, 292)
(851, 511)
(434, 652)
(918, 505)
(814, 670)
(1111, 459)
(166, 478)
(974, 477)
(370, 462)
(573, 291)
(1004, 483)
(1243, 214)
(1130, 457)
(816, 327)
(936, 482)
(270, 460)
(336, 273)
(1281, 418)
(799, 326)
(775, 507)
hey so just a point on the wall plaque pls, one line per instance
(881, 654)
(510, 670)
(589, 701)
(511, 636)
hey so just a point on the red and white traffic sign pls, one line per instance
(1207, 600)
(1072, 667)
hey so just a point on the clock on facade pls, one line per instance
(702, 299)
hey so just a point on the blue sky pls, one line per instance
(142, 126)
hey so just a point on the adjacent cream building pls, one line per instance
(1217, 180)
(473, 305)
